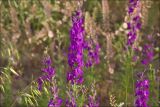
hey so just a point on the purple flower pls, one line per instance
(57, 102)
(76, 76)
(75, 55)
(40, 82)
(135, 58)
(49, 72)
(148, 54)
(70, 102)
(93, 52)
(142, 92)
(47, 61)
(92, 102)
(134, 24)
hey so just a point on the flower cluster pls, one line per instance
(55, 101)
(148, 53)
(49, 72)
(142, 85)
(92, 102)
(49, 76)
(75, 55)
(93, 53)
(134, 24)
(142, 92)
(71, 102)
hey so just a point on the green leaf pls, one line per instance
(27, 95)
(9, 52)
(2, 88)
(37, 92)
(45, 89)
(35, 101)
(26, 101)
(30, 101)
(14, 72)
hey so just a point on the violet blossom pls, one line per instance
(134, 24)
(55, 101)
(75, 55)
(148, 54)
(142, 85)
(93, 52)
(92, 102)
(49, 74)
(70, 102)
(142, 92)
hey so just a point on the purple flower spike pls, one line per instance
(40, 82)
(148, 54)
(49, 74)
(57, 102)
(75, 55)
(70, 103)
(48, 70)
(92, 102)
(134, 24)
(93, 53)
(142, 92)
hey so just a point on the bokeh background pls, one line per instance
(29, 29)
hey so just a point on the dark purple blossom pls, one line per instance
(71, 103)
(40, 82)
(142, 92)
(93, 52)
(148, 54)
(76, 76)
(49, 72)
(148, 51)
(142, 85)
(134, 24)
(55, 101)
(75, 55)
(92, 102)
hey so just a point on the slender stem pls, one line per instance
(132, 80)
(159, 91)
(126, 90)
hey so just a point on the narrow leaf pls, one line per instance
(14, 72)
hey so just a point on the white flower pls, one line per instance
(124, 25)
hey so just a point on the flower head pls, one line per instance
(93, 52)
(75, 55)
(56, 102)
(142, 92)
(134, 24)
(148, 54)
(49, 74)
(92, 102)
(48, 70)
